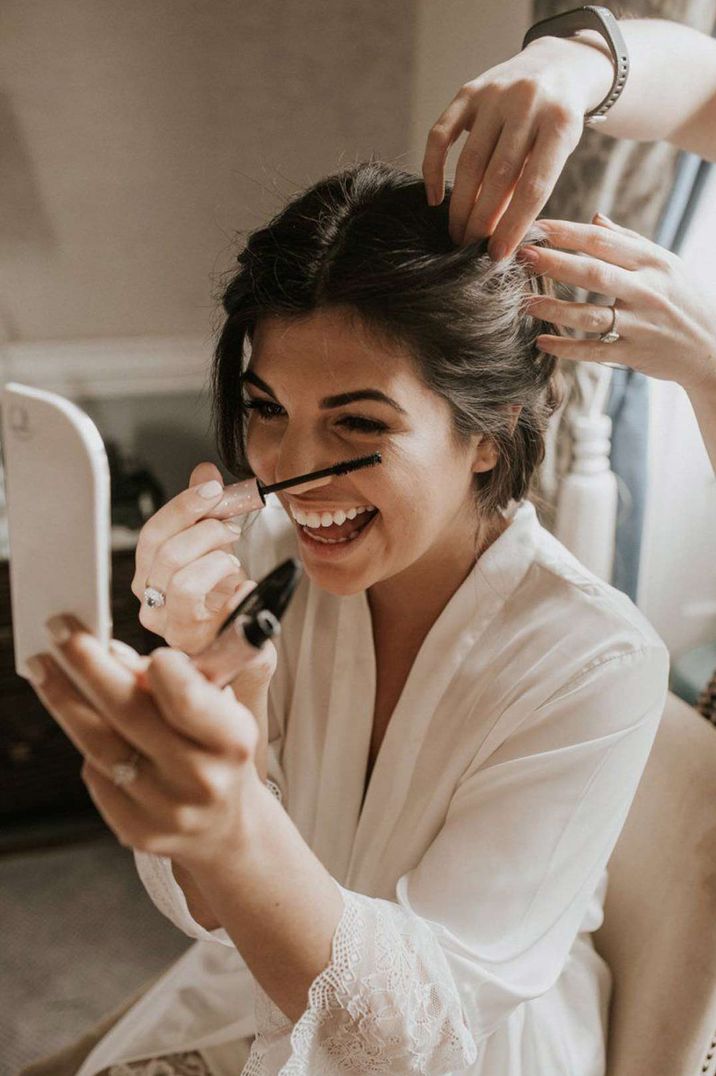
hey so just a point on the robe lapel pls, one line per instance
(461, 625)
(348, 731)
(339, 687)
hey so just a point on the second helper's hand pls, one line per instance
(664, 315)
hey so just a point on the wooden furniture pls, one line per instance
(659, 930)
(39, 766)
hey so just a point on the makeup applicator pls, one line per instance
(250, 495)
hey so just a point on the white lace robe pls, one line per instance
(475, 870)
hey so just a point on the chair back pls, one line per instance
(659, 931)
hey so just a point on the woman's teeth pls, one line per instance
(327, 519)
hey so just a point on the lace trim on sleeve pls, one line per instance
(167, 895)
(274, 789)
(386, 1003)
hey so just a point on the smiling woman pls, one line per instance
(364, 246)
(460, 713)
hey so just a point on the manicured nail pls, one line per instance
(600, 218)
(529, 255)
(37, 670)
(498, 251)
(210, 489)
(58, 629)
(234, 524)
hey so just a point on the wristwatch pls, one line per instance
(596, 18)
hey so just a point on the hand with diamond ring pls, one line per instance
(664, 317)
(187, 558)
(188, 796)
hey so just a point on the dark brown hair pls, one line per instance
(367, 241)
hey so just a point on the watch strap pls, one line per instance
(590, 17)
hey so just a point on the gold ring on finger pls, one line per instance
(611, 335)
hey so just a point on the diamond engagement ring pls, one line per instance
(124, 773)
(153, 597)
(611, 335)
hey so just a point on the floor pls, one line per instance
(79, 934)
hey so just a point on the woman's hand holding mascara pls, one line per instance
(197, 745)
(190, 559)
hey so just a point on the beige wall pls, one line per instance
(456, 40)
(138, 135)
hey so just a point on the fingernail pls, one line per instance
(210, 489)
(234, 524)
(236, 560)
(529, 255)
(119, 647)
(58, 629)
(601, 219)
(498, 251)
(37, 670)
(142, 680)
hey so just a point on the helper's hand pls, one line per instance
(197, 746)
(524, 118)
(190, 560)
(664, 316)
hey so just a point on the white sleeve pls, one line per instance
(167, 895)
(487, 918)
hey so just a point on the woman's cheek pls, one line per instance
(261, 453)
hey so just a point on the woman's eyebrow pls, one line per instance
(330, 401)
(360, 394)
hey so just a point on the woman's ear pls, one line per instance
(514, 410)
(486, 455)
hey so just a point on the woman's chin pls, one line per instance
(342, 584)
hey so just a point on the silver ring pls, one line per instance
(611, 335)
(153, 597)
(125, 773)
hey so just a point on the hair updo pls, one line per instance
(366, 239)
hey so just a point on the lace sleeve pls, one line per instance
(386, 1003)
(158, 879)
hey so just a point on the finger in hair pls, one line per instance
(444, 132)
(565, 347)
(594, 274)
(628, 250)
(500, 177)
(472, 162)
(589, 317)
(532, 190)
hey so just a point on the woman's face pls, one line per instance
(321, 390)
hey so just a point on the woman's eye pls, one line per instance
(363, 425)
(263, 408)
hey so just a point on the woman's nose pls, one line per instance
(300, 453)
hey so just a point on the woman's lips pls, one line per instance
(339, 533)
(336, 531)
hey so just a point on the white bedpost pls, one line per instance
(587, 499)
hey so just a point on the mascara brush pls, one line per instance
(250, 495)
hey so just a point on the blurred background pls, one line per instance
(140, 141)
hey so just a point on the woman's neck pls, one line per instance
(416, 597)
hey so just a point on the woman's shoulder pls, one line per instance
(592, 611)
(575, 614)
